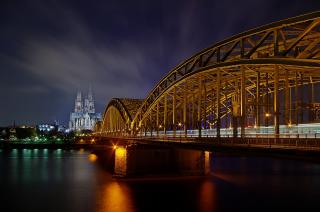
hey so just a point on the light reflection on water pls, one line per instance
(74, 180)
(116, 196)
(207, 196)
(92, 157)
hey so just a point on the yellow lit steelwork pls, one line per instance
(240, 82)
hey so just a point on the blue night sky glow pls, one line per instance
(50, 49)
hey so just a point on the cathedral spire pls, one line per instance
(78, 103)
(90, 95)
(91, 108)
(79, 96)
(84, 116)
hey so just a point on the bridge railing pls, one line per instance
(246, 141)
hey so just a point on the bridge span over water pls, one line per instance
(261, 83)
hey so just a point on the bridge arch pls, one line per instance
(253, 79)
(118, 116)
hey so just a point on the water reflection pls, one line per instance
(115, 197)
(120, 164)
(131, 161)
(207, 196)
(92, 157)
(52, 180)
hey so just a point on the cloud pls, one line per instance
(63, 64)
(68, 62)
(53, 48)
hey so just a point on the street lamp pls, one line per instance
(180, 124)
(267, 115)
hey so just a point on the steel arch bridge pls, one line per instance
(261, 81)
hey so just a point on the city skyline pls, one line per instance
(121, 49)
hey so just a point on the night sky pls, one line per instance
(51, 49)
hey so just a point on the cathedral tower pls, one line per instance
(84, 116)
(78, 107)
(91, 108)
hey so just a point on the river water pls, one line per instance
(74, 180)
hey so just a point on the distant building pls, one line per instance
(46, 127)
(84, 116)
(14, 133)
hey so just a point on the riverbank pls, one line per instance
(51, 146)
(241, 150)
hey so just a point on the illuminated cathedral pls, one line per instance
(84, 116)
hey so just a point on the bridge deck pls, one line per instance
(291, 144)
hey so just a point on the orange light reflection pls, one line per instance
(116, 197)
(207, 198)
(92, 157)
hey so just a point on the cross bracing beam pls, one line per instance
(244, 76)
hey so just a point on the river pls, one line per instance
(74, 180)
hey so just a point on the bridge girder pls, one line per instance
(118, 115)
(239, 81)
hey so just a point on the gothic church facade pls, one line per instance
(84, 116)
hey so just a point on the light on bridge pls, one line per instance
(121, 153)
(267, 115)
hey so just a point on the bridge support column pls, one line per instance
(235, 110)
(301, 99)
(185, 112)
(165, 113)
(266, 103)
(204, 102)
(243, 101)
(287, 100)
(145, 128)
(276, 102)
(193, 112)
(235, 126)
(174, 101)
(311, 100)
(297, 102)
(258, 103)
(199, 107)
(157, 119)
(218, 103)
(151, 123)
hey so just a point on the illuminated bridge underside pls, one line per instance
(260, 78)
(118, 115)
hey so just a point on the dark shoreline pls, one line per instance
(52, 146)
(296, 154)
